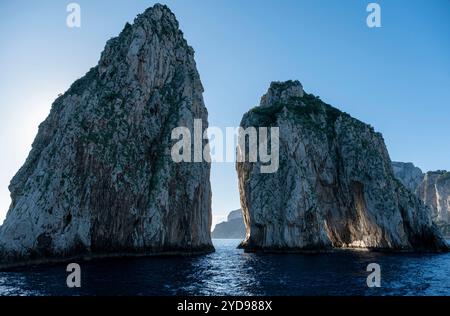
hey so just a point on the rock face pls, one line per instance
(236, 214)
(435, 192)
(335, 187)
(99, 179)
(432, 187)
(233, 228)
(410, 175)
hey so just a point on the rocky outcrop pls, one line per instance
(335, 187)
(99, 180)
(410, 175)
(433, 188)
(236, 214)
(435, 192)
(233, 228)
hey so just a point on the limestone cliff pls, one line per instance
(410, 175)
(435, 192)
(334, 188)
(433, 188)
(99, 180)
(236, 214)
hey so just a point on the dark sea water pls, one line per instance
(230, 271)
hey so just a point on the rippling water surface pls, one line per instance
(230, 271)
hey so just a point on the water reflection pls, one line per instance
(230, 271)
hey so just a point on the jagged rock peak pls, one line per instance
(146, 49)
(282, 92)
(99, 180)
(433, 188)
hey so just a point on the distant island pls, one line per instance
(99, 180)
(233, 228)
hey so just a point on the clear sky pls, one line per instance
(396, 78)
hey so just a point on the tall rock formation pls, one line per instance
(335, 187)
(99, 180)
(410, 175)
(433, 188)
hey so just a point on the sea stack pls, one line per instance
(99, 180)
(334, 188)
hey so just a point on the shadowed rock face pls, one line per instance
(99, 179)
(334, 188)
(433, 188)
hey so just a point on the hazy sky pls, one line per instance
(397, 77)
